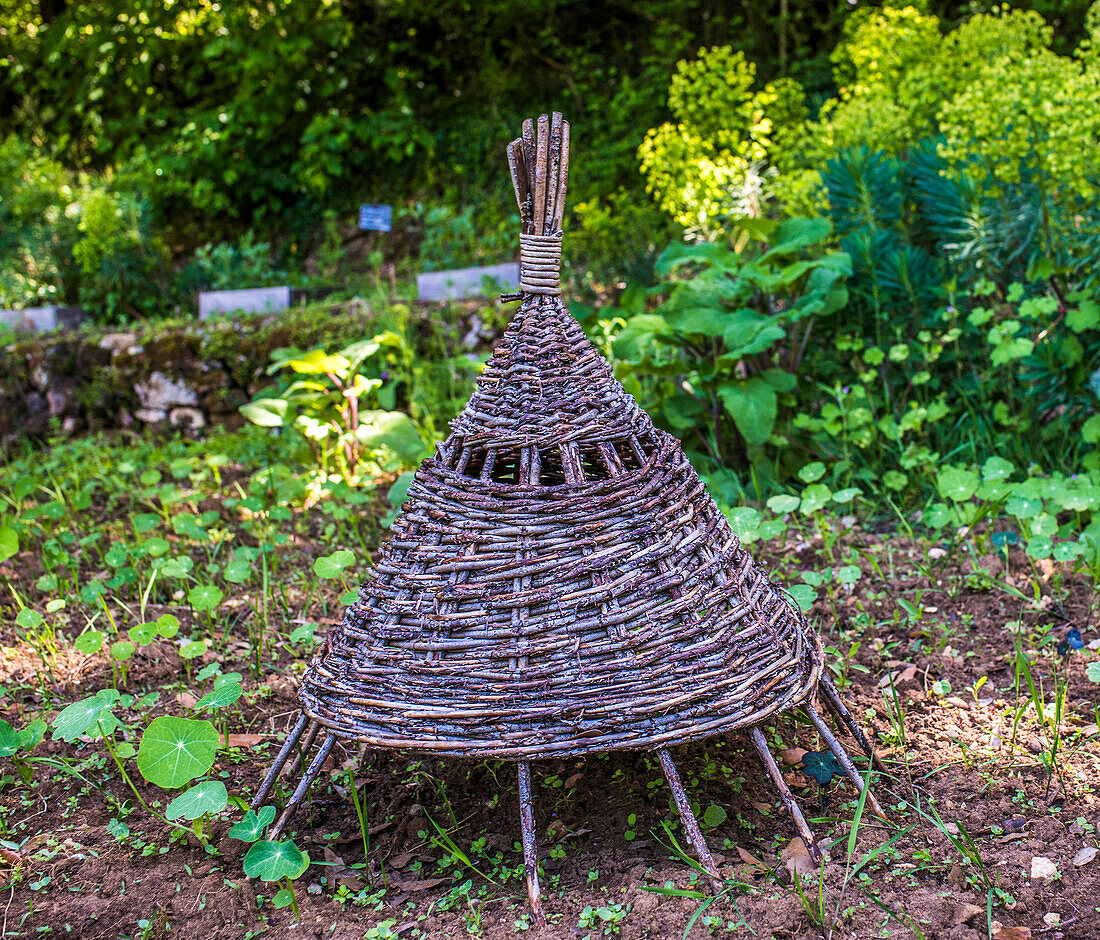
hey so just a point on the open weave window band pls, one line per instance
(540, 264)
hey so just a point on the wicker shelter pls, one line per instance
(558, 582)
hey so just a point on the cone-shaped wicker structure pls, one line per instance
(558, 581)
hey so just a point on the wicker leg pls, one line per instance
(842, 756)
(530, 850)
(303, 748)
(836, 706)
(687, 817)
(303, 787)
(284, 753)
(785, 793)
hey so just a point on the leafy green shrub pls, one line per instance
(330, 407)
(232, 265)
(708, 361)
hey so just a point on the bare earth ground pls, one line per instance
(600, 820)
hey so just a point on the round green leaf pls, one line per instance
(210, 796)
(997, 468)
(849, 574)
(174, 751)
(812, 472)
(168, 625)
(783, 503)
(956, 483)
(192, 650)
(143, 633)
(29, 618)
(205, 596)
(90, 641)
(122, 650)
(332, 566)
(273, 861)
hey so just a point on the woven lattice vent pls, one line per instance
(559, 582)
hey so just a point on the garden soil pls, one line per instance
(961, 746)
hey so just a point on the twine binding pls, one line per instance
(558, 582)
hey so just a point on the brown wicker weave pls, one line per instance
(559, 582)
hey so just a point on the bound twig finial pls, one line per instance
(539, 163)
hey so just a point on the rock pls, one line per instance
(1086, 855)
(159, 393)
(120, 342)
(186, 417)
(1043, 869)
(965, 912)
(151, 415)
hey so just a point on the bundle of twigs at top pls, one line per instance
(539, 161)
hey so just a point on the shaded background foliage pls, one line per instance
(226, 116)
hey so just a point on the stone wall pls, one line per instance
(183, 375)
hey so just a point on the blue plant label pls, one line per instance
(375, 218)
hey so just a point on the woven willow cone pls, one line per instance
(559, 582)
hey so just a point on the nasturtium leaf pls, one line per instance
(997, 468)
(174, 750)
(210, 796)
(783, 503)
(745, 522)
(125, 750)
(937, 516)
(332, 566)
(815, 497)
(956, 483)
(53, 606)
(273, 861)
(1092, 671)
(204, 597)
(193, 650)
(143, 633)
(1023, 507)
(284, 897)
(90, 641)
(1040, 546)
(178, 566)
(9, 542)
(253, 825)
(1067, 551)
(714, 815)
(849, 574)
(847, 494)
(79, 718)
(29, 618)
(122, 650)
(804, 596)
(941, 687)
(117, 555)
(221, 696)
(237, 571)
(168, 625)
(145, 522)
(821, 765)
(10, 742)
(812, 472)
